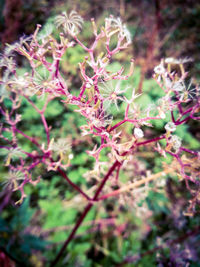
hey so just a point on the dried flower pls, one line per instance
(12, 154)
(111, 94)
(188, 92)
(160, 69)
(178, 86)
(12, 178)
(116, 23)
(170, 126)
(175, 141)
(171, 60)
(24, 84)
(62, 145)
(3, 85)
(101, 119)
(71, 23)
(43, 83)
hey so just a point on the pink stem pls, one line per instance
(73, 185)
(189, 151)
(85, 212)
(46, 128)
(28, 137)
(150, 141)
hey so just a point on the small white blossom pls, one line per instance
(71, 156)
(7, 61)
(43, 83)
(138, 133)
(170, 126)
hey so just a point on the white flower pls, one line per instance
(168, 83)
(113, 22)
(15, 46)
(138, 133)
(3, 85)
(89, 84)
(71, 23)
(71, 156)
(170, 126)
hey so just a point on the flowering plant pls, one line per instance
(101, 96)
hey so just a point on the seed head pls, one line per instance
(71, 23)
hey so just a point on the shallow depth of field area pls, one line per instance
(99, 133)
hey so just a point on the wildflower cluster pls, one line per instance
(100, 92)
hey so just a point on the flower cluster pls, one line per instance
(99, 101)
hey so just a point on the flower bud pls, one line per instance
(138, 133)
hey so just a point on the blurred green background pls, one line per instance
(147, 229)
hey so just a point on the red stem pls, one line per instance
(31, 139)
(85, 212)
(151, 140)
(73, 185)
(45, 127)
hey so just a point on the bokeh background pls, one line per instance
(147, 229)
